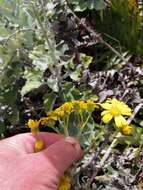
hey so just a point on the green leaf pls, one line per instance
(75, 75)
(49, 101)
(86, 60)
(53, 83)
(34, 80)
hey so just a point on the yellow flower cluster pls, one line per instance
(59, 114)
(77, 106)
(115, 109)
(67, 108)
(63, 111)
(65, 183)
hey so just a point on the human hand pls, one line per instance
(22, 169)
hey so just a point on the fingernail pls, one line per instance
(74, 143)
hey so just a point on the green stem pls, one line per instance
(56, 130)
(81, 118)
(65, 126)
(65, 130)
(83, 125)
(93, 143)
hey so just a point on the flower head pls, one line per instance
(44, 121)
(52, 115)
(79, 106)
(39, 145)
(115, 109)
(34, 126)
(33, 123)
(82, 105)
(65, 183)
(91, 105)
(60, 113)
(127, 130)
(67, 107)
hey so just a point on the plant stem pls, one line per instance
(83, 125)
(56, 130)
(65, 127)
(66, 131)
(93, 143)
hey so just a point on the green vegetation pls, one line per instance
(57, 53)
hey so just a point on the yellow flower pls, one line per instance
(39, 145)
(49, 121)
(67, 107)
(79, 106)
(60, 113)
(115, 109)
(33, 123)
(76, 106)
(44, 120)
(126, 130)
(82, 105)
(52, 115)
(65, 183)
(91, 105)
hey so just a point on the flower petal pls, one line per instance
(128, 113)
(115, 101)
(106, 106)
(120, 121)
(107, 117)
(104, 112)
(124, 109)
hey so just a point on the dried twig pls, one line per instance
(136, 110)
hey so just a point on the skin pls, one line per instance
(22, 169)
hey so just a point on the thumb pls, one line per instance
(61, 154)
